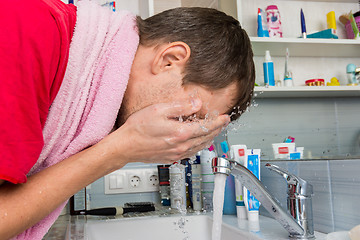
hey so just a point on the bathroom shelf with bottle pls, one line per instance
(306, 47)
(306, 91)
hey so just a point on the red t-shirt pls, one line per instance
(34, 48)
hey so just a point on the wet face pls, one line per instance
(214, 102)
(160, 81)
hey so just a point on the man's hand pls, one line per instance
(158, 133)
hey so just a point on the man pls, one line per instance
(191, 74)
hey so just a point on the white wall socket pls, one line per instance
(132, 180)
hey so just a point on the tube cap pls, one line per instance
(267, 56)
(241, 212)
(271, 7)
(253, 216)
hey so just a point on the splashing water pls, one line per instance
(192, 159)
(218, 202)
(236, 127)
(180, 224)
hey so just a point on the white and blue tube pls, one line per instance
(251, 203)
(238, 153)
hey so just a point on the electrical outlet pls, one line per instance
(154, 180)
(132, 180)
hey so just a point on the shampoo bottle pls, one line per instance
(268, 66)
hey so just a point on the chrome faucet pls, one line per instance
(298, 221)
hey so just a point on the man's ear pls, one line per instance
(171, 55)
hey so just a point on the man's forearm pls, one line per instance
(161, 140)
(23, 205)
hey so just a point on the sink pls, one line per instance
(174, 227)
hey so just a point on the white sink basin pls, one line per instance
(175, 227)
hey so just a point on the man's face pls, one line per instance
(213, 102)
(148, 86)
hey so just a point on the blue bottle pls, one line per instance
(268, 65)
(229, 207)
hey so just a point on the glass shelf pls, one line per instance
(306, 91)
(306, 47)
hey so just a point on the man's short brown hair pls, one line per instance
(221, 51)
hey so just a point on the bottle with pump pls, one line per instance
(268, 66)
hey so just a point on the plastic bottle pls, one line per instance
(177, 186)
(207, 177)
(229, 207)
(238, 153)
(188, 184)
(164, 179)
(251, 203)
(262, 29)
(196, 184)
(273, 21)
(268, 66)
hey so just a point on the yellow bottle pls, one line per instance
(331, 21)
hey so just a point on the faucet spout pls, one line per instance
(252, 183)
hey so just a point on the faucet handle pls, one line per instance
(296, 185)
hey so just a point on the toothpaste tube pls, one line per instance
(251, 203)
(283, 150)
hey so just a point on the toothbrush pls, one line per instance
(225, 149)
(286, 75)
(303, 24)
(115, 211)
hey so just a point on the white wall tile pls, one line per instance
(315, 173)
(345, 179)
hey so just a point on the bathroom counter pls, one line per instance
(267, 228)
(72, 227)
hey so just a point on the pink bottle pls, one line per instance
(273, 21)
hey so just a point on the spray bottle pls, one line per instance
(262, 30)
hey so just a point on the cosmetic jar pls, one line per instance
(315, 82)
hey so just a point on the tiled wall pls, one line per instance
(336, 186)
(326, 127)
(98, 199)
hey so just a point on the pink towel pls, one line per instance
(84, 111)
